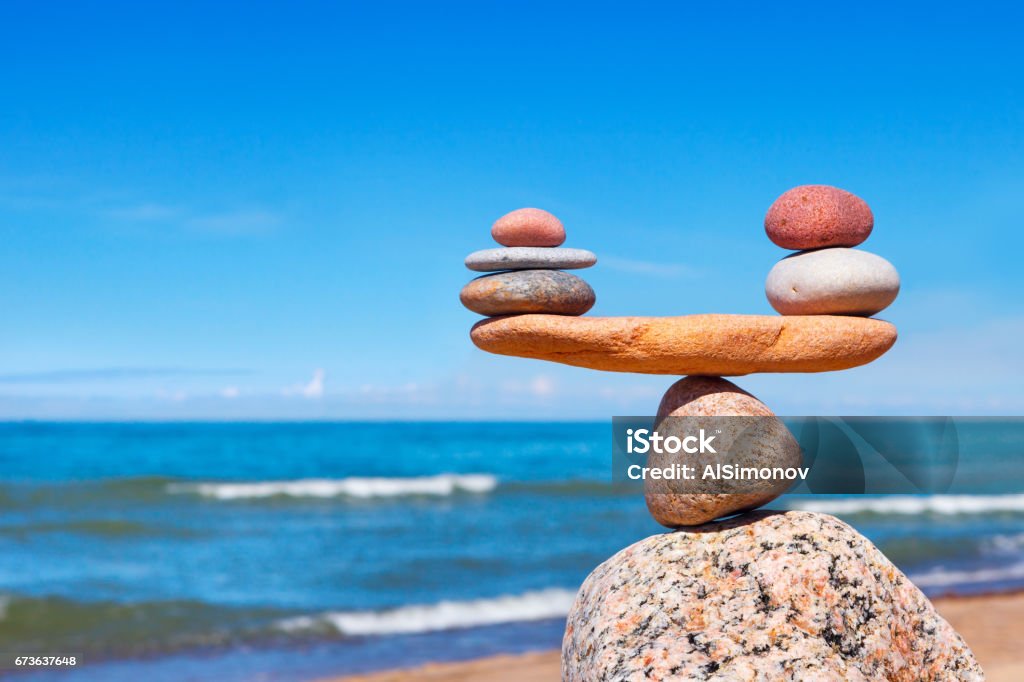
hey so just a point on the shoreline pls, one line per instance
(992, 624)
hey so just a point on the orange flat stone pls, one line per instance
(717, 345)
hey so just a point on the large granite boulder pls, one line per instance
(764, 596)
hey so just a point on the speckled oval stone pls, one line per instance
(764, 596)
(832, 282)
(528, 291)
(528, 227)
(529, 258)
(816, 216)
(754, 438)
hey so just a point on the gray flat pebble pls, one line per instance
(529, 258)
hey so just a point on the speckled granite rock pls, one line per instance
(815, 216)
(528, 291)
(529, 258)
(756, 439)
(832, 282)
(717, 345)
(766, 596)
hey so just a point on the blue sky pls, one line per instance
(257, 210)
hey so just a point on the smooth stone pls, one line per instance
(764, 596)
(816, 216)
(760, 440)
(832, 282)
(529, 258)
(715, 345)
(528, 227)
(528, 291)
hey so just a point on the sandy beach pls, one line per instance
(991, 625)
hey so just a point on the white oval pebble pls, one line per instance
(832, 282)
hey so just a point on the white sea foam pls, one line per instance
(445, 615)
(945, 578)
(1005, 544)
(440, 485)
(911, 504)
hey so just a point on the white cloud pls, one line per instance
(230, 392)
(175, 396)
(542, 386)
(244, 220)
(314, 389)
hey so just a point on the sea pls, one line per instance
(296, 551)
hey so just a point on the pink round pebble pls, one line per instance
(817, 216)
(528, 227)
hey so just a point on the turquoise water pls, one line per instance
(294, 551)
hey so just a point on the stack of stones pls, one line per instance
(528, 273)
(761, 595)
(826, 276)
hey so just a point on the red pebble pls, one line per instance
(817, 216)
(528, 227)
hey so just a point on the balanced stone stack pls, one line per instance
(763, 595)
(528, 273)
(827, 276)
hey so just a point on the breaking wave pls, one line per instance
(362, 488)
(913, 504)
(960, 578)
(445, 615)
